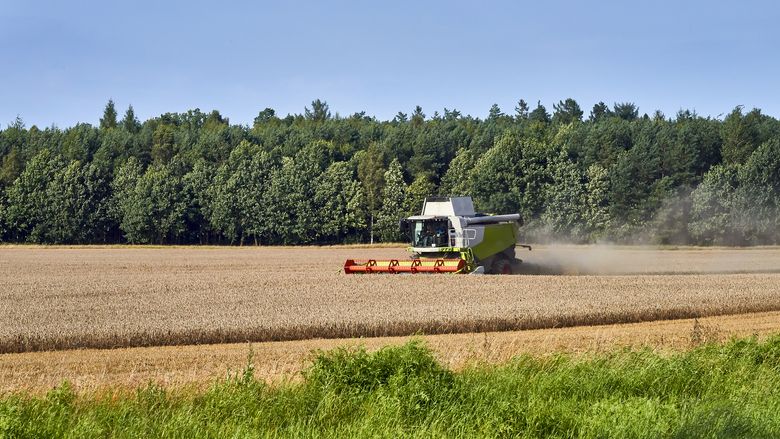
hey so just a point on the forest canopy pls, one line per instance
(610, 175)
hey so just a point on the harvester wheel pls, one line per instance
(502, 265)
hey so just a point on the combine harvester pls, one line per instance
(449, 237)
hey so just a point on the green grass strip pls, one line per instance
(727, 390)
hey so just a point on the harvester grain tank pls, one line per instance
(450, 237)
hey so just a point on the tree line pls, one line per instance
(318, 178)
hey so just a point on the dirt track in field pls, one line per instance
(68, 298)
(198, 366)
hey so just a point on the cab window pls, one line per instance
(430, 233)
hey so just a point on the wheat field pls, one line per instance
(199, 366)
(98, 297)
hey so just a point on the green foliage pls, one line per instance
(115, 147)
(3, 221)
(497, 181)
(741, 135)
(521, 110)
(236, 200)
(79, 199)
(625, 110)
(566, 201)
(151, 205)
(757, 199)
(342, 210)
(293, 216)
(198, 187)
(638, 184)
(432, 149)
(29, 212)
(393, 204)
(714, 390)
(356, 370)
(130, 123)
(539, 114)
(14, 136)
(371, 172)
(163, 146)
(566, 112)
(11, 168)
(457, 180)
(82, 142)
(416, 193)
(599, 112)
(713, 207)
(596, 215)
(320, 178)
(740, 204)
(605, 141)
(703, 137)
(109, 116)
(495, 112)
(319, 111)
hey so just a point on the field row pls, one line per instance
(119, 297)
(92, 370)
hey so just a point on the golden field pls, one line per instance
(111, 297)
(198, 366)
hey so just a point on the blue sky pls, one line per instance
(63, 60)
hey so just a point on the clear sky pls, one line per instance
(62, 61)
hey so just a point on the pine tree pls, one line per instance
(109, 116)
(599, 112)
(741, 135)
(265, 116)
(539, 114)
(418, 117)
(495, 112)
(130, 122)
(521, 110)
(319, 111)
(567, 111)
(625, 110)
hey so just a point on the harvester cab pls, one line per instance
(450, 237)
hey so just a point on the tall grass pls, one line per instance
(730, 390)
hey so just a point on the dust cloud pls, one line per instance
(565, 259)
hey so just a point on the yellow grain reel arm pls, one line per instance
(450, 237)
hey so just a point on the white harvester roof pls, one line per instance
(448, 206)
